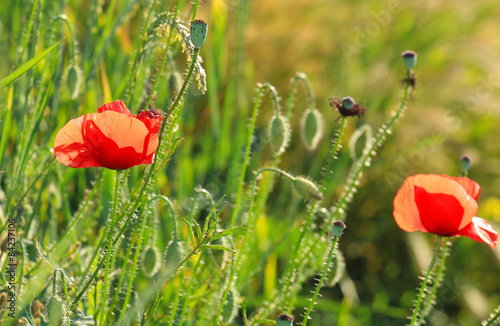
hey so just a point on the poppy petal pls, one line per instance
(407, 213)
(117, 106)
(108, 139)
(150, 120)
(438, 212)
(472, 188)
(70, 148)
(481, 231)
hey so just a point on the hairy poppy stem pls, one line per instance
(110, 245)
(424, 282)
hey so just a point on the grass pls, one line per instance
(223, 229)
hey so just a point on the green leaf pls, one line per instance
(218, 247)
(224, 233)
(27, 66)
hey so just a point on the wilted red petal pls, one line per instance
(440, 213)
(481, 231)
(117, 106)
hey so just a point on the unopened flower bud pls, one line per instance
(338, 228)
(198, 31)
(3, 299)
(307, 189)
(409, 59)
(348, 102)
(284, 320)
(312, 128)
(279, 134)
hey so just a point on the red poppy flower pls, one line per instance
(112, 138)
(442, 205)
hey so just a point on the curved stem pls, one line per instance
(424, 283)
(246, 157)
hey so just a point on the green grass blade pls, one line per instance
(27, 66)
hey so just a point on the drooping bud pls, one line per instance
(173, 255)
(73, 78)
(230, 310)
(151, 261)
(312, 128)
(307, 189)
(56, 311)
(198, 31)
(338, 228)
(284, 320)
(409, 59)
(279, 134)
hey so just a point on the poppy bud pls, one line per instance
(338, 228)
(151, 261)
(56, 311)
(284, 320)
(466, 162)
(198, 32)
(312, 128)
(348, 102)
(174, 255)
(307, 189)
(409, 59)
(73, 77)
(279, 134)
(230, 309)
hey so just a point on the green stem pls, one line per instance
(493, 318)
(321, 281)
(293, 260)
(246, 235)
(110, 247)
(437, 280)
(246, 157)
(424, 283)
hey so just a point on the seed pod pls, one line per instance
(73, 78)
(230, 309)
(284, 320)
(151, 261)
(56, 311)
(307, 189)
(338, 228)
(409, 59)
(198, 31)
(312, 128)
(279, 134)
